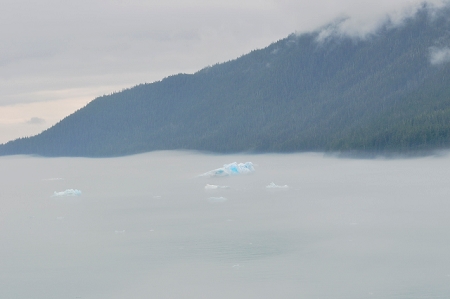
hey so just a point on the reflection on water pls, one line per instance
(146, 227)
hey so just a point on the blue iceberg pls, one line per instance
(231, 169)
(68, 192)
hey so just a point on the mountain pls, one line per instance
(388, 92)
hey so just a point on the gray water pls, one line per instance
(145, 227)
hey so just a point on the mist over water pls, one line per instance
(145, 227)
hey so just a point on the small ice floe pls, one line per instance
(68, 192)
(59, 218)
(119, 231)
(215, 187)
(217, 199)
(53, 179)
(274, 186)
(236, 266)
(230, 169)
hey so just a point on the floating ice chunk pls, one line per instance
(68, 192)
(273, 186)
(215, 187)
(217, 199)
(231, 169)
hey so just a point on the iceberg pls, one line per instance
(274, 186)
(68, 192)
(231, 169)
(215, 187)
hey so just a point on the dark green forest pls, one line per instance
(377, 94)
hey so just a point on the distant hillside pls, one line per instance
(388, 92)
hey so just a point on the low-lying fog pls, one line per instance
(145, 226)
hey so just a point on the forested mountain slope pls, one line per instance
(387, 92)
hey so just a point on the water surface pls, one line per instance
(145, 227)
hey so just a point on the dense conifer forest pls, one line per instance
(388, 92)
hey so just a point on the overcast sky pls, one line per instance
(57, 56)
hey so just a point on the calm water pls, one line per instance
(145, 227)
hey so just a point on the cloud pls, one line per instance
(358, 22)
(36, 121)
(439, 55)
(49, 45)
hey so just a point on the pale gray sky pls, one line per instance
(57, 56)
